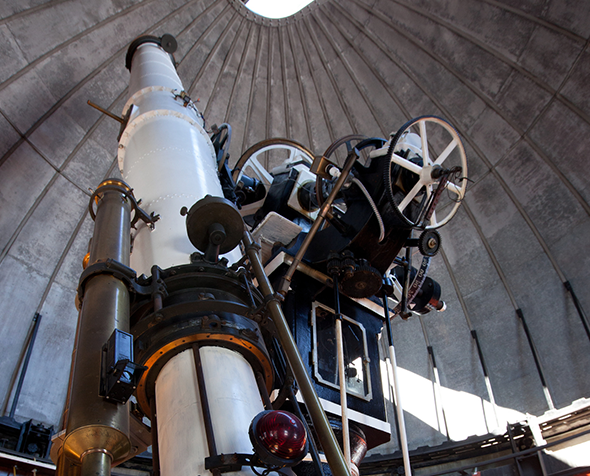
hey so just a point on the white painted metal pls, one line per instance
(233, 399)
(400, 413)
(166, 157)
(152, 66)
(343, 393)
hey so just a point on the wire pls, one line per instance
(373, 206)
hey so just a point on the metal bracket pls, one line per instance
(321, 166)
(110, 266)
(228, 463)
(118, 186)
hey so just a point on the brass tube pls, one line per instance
(96, 463)
(321, 424)
(95, 425)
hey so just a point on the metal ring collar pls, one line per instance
(127, 192)
(97, 450)
(114, 185)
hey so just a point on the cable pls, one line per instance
(373, 206)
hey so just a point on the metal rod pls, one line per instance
(263, 391)
(437, 393)
(479, 352)
(341, 372)
(325, 208)
(542, 463)
(579, 307)
(108, 113)
(485, 374)
(406, 284)
(318, 417)
(23, 372)
(154, 434)
(204, 402)
(533, 348)
(313, 449)
(398, 403)
(514, 448)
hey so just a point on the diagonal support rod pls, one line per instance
(329, 443)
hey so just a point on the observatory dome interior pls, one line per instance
(511, 76)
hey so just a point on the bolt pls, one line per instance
(431, 243)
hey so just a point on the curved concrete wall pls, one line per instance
(512, 76)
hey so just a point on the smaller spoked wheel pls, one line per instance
(263, 156)
(426, 174)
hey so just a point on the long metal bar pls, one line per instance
(23, 372)
(406, 284)
(204, 402)
(325, 208)
(398, 403)
(341, 372)
(535, 353)
(107, 113)
(514, 449)
(154, 435)
(320, 422)
(579, 307)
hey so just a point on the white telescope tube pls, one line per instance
(166, 156)
(233, 402)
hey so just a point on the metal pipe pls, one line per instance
(341, 372)
(396, 389)
(325, 208)
(325, 434)
(23, 372)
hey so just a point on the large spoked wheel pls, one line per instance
(287, 150)
(273, 152)
(337, 153)
(426, 175)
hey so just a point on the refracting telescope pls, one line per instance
(230, 316)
